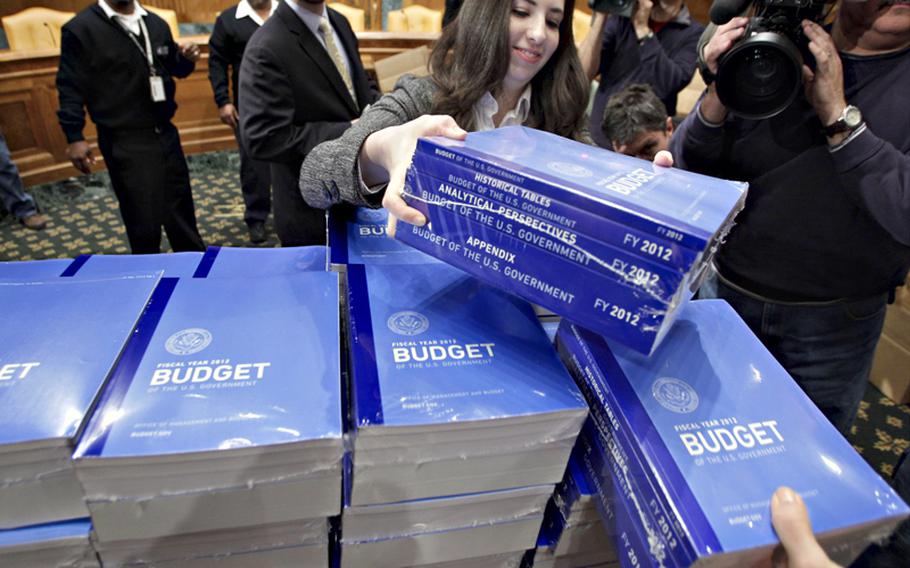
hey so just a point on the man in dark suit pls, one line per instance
(233, 30)
(301, 83)
(119, 61)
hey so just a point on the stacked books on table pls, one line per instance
(220, 435)
(33, 268)
(176, 265)
(358, 236)
(59, 340)
(573, 535)
(463, 419)
(686, 448)
(609, 241)
(65, 544)
(238, 262)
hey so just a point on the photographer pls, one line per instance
(825, 235)
(654, 45)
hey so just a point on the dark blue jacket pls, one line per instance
(666, 62)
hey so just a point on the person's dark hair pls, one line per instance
(472, 58)
(632, 111)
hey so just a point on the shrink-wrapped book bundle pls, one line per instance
(221, 415)
(609, 241)
(463, 419)
(52, 372)
(685, 448)
(573, 535)
(64, 544)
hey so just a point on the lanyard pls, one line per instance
(147, 52)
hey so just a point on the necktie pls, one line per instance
(336, 56)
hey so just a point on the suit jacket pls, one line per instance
(292, 96)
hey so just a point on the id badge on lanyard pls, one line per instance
(157, 85)
(156, 82)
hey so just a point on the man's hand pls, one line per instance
(390, 151)
(228, 115)
(80, 154)
(825, 85)
(189, 50)
(640, 18)
(722, 40)
(791, 523)
(710, 107)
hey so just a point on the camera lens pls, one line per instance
(760, 76)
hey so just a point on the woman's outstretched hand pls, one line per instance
(387, 154)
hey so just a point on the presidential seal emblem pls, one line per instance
(675, 395)
(188, 341)
(571, 170)
(408, 323)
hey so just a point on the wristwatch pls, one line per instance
(849, 120)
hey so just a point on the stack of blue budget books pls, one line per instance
(609, 241)
(58, 343)
(64, 544)
(685, 448)
(176, 265)
(219, 437)
(463, 420)
(240, 262)
(573, 535)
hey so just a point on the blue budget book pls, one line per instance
(233, 262)
(679, 206)
(64, 530)
(52, 368)
(33, 268)
(62, 544)
(358, 236)
(206, 373)
(713, 424)
(433, 346)
(174, 264)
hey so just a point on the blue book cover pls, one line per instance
(640, 493)
(205, 372)
(431, 345)
(670, 203)
(465, 187)
(567, 246)
(633, 316)
(33, 269)
(358, 236)
(45, 534)
(174, 264)
(720, 425)
(635, 542)
(234, 262)
(52, 369)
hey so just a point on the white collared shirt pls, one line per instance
(312, 22)
(244, 10)
(130, 22)
(487, 107)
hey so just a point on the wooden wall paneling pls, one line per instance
(8, 7)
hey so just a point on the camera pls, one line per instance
(618, 7)
(762, 73)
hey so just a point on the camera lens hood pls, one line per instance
(760, 76)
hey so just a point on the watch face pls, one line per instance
(852, 117)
